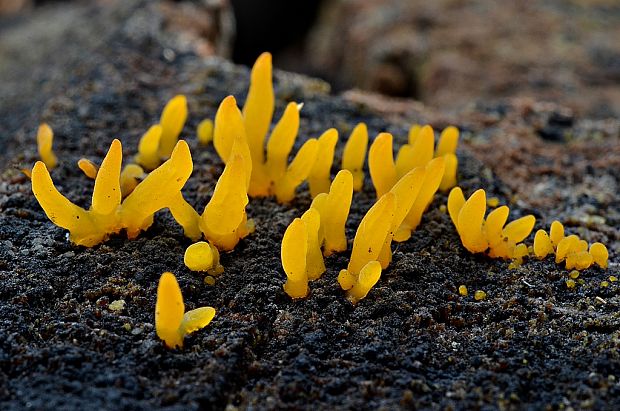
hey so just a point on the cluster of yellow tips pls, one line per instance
(323, 225)
(158, 142)
(172, 323)
(271, 174)
(493, 234)
(109, 213)
(570, 249)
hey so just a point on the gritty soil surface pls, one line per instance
(412, 343)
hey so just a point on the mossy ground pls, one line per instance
(412, 343)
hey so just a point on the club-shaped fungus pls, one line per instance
(293, 255)
(477, 234)
(319, 178)
(45, 139)
(354, 155)
(334, 211)
(159, 141)
(204, 131)
(570, 249)
(89, 168)
(315, 265)
(131, 176)
(224, 221)
(202, 256)
(271, 174)
(107, 215)
(172, 323)
(367, 245)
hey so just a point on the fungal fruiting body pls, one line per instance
(477, 234)
(172, 323)
(45, 140)
(89, 168)
(202, 256)
(570, 249)
(319, 178)
(354, 155)
(204, 131)
(315, 266)
(271, 174)
(107, 215)
(131, 176)
(334, 209)
(369, 241)
(293, 254)
(159, 141)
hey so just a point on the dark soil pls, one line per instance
(412, 343)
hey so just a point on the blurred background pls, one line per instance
(446, 53)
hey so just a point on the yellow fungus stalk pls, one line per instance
(89, 168)
(315, 266)
(319, 178)
(381, 164)
(449, 177)
(564, 247)
(297, 172)
(45, 140)
(448, 141)
(354, 155)
(368, 277)
(148, 148)
(369, 240)
(131, 176)
(470, 220)
(599, 254)
(204, 131)
(335, 211)
(542, 244)
(556, 234)
(184, 214)
(519, 229)
(456, 200)
(172, 121)
(414, 132)
(172, 323)
(293, 255)
(281, 142)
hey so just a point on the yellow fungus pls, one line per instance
(556, 234)
(463, 290)
(414, 131)
(297, 171)
(448, 140)
(199, 256)
(367, 245)
(89, 168)
(449, 177)
(574, 274)
(315, 266)
(470, 220)
(456, 200)
(335, 211)
(570, 284)
(381, 164)
(368, 277)
(578, 260)
(493, 202)
(172, 323)
(599, 254)
(293, 255)
(319, 178)
(564, 247)
(131, 176)
(354, 155)
(204, 131)
(519, 229)
(519, 252)
(148, 148)
(480, 295)
(494, 224)
(45, 139)
(209, 280)
(172, 121)
(422, 148)
(542, 244)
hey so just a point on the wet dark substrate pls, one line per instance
(412, 343)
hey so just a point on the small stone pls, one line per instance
(574, 274)
(613, 278)
(480, 295)
(209, 280)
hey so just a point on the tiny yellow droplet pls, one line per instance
(613, 278)
(209, 280)
(574, 274)
(570, 284)
(493, 202)
(480, 295)
(604, 284)
(443, 208)
(463, 290)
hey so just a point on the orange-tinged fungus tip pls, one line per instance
(45, 140)
(199, 256)
(89, 168)
(204, 131)
(172, 324)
